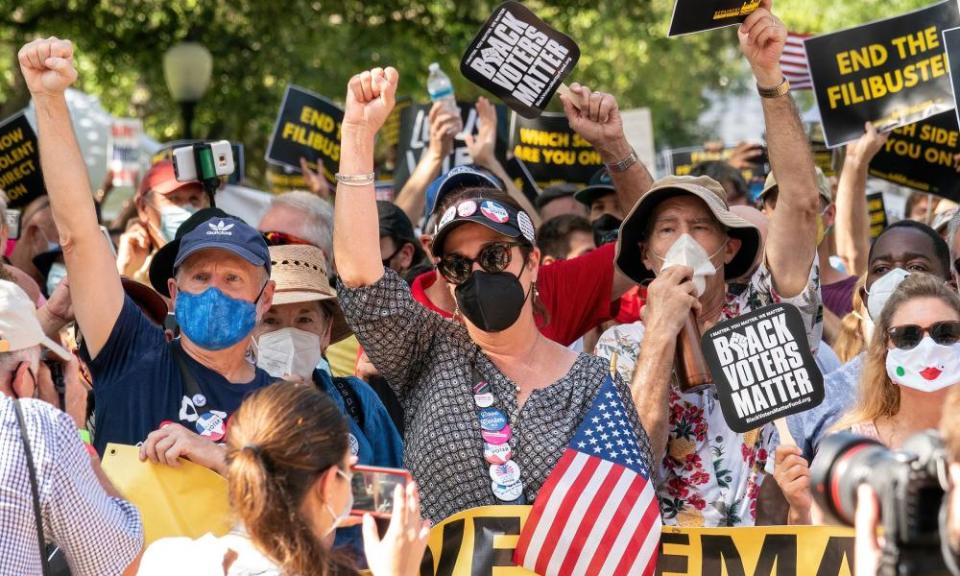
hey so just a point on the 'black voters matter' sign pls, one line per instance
(308, 126)
(762, 367)
(697, 15)
(519, 58)
(924, 156)
(891, 73)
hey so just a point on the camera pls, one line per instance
(206, 162)
(909, 484)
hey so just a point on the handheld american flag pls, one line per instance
(597, 513)
(794, 64)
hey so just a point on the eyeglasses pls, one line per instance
(283, 239)
(493, 258)
(907, 337)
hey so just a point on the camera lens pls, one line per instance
(843, 462)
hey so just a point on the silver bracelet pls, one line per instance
(356, 179)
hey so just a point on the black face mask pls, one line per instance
(606, 229)
(491, 301)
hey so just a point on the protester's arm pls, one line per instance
(851, 227)
(792, 474)
(48, 68)
(670, 298)
(483, 148)
(791, 241)
(598, 121)
(57, 312)
(173, 441)
(443, 127)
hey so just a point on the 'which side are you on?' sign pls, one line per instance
(519, 58)
(762, 367)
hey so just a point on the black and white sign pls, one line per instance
(519, 58)
(762, 367)
(691, 16)
(308, 126)
(951, 45)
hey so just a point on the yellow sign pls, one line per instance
(481, 541)
(186, 501)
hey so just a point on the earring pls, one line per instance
(456, 313)
(536, 292)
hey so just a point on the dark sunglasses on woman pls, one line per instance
(493, 258)
(908, 336)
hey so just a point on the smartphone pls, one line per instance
(216, 160)
(373, 489)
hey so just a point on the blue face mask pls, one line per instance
(213, 320)
(171, 217)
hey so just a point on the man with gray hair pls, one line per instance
(54, 490)
(300, 217)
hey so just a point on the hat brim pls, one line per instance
(147, 299)
(57, 349)
(460, 181)
(506, 229)
(629, 258)
(339, 330)
(161, 267)
(591, 193)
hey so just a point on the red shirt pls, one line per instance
(576, 294)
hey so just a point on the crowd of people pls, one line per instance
(461, 332)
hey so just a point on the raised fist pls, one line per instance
(371, 96)
(47, 66)
(762, 39)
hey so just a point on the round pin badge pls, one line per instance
(199, 400)
(526, 226)
(506, 474)
(449, 215)
(211, 426)
(499, 437)
(467, 208)
(481, 387)
(494, 212)
(497, 453)
(484, 400)
(492, 419)
(354, 444)
(507, 493)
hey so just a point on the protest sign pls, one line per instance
(415, 139)
(878, 214)
(762, 367)
(308, 126)
(519, 58)
(522, 179)
(20, 175)
(190, 500)
(691, 16)
(282, 179)
(552, 151)
(822, 156)
(951, 46)
(123, 151)
(481, 541)
(680, 162)
(924, 156)
(891, 72)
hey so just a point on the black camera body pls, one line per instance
(909, 484)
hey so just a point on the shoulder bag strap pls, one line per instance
(190, 386)
(34, 488)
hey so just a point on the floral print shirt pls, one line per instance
(710, 475)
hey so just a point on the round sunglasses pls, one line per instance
(493, 258)
(908, 336)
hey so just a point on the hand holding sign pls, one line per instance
(596, 118)
(762, 39)
(371, 96)
(862, 150)
(314, 178)
(792, 473)
(47, 66)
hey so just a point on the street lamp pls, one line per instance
(187, 67)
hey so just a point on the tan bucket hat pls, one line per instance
(823, 186)
(300, 272)
(630, 259)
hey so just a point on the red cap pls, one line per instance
(162, 179)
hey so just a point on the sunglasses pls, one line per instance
(909, 336)
(283, 239)
(493, 258)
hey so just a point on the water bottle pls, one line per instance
(441, 89)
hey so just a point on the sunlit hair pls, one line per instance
(850, 342)
(279, 442)
(877, 395)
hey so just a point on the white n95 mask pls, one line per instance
(688, 252)
(881, 291)
(288, 351)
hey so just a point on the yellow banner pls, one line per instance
(481, 541)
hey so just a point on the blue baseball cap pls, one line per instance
(458, 178)
(600, 185)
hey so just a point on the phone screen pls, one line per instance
(373, 489)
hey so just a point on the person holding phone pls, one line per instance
(290, 486)
(490, 403)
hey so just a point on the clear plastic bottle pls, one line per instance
(441, 89)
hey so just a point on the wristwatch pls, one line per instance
(625, 164)
(781, 89)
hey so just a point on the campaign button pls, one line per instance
(506, 474)
(199, 400)
(467, 208)
(354, 444)
(498, 437)
(481, 387)
(492, 419)
(497, 453)
(211, 426)
(507, 493)
(484, 400)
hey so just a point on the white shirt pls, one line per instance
(204, 556)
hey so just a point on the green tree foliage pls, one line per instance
(259, 46)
